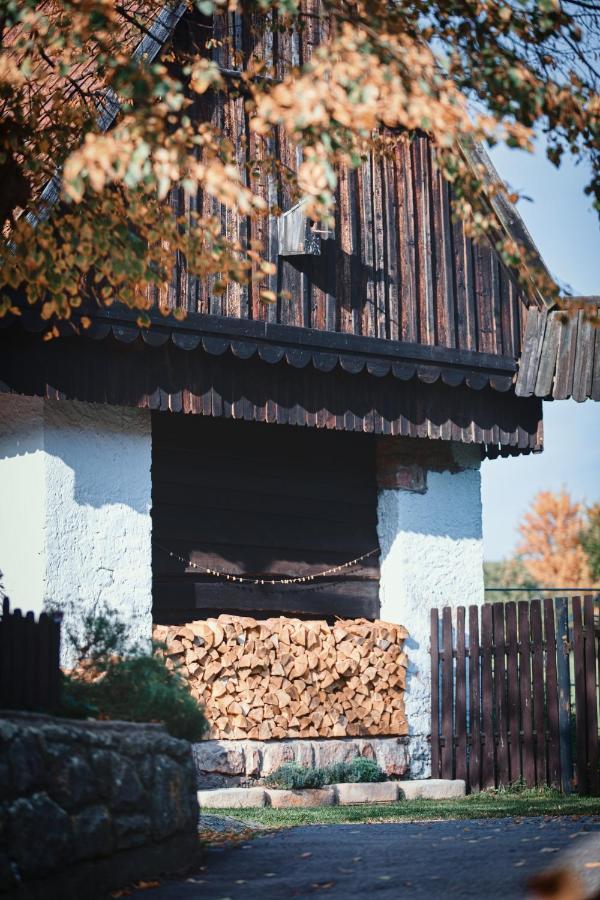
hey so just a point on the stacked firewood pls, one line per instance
(281, 678)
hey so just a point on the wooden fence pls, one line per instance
(29, 660)
(515, 694)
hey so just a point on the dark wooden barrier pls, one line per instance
(29, 660)
(516, 693)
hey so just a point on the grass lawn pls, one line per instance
(476, 806)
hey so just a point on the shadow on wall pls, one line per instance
(106, 451)
(450, 508)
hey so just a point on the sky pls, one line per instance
(565, 228)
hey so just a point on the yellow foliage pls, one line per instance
(550, 542)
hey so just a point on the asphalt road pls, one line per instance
(487, 859)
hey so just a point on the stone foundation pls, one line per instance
(87, 807)
(231, 763)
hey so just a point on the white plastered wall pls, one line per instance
(431, 556)
(75, 526)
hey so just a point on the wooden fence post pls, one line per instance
(552, 696)
(435, 694)
(564, 693)
(474, 700)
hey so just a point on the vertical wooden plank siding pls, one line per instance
(435, 694)
(474, 701)
(500, 699)
(461, 697)
(580, 698)
(512, 674)
(590, 696)
(539, 710)
(487, 699)
(447, 695)
(525, 695)
(552, 695)
(564, 693)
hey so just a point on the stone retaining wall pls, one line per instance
(230, 763)
(86, 807)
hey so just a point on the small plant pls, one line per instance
(114, 679)
(292, 777)
(363, 769)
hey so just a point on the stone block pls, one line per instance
(329, 752)
(92, 832)
(392, 755)
(277, 754)
(232, 798)
(223, 757)
(432, 789)
(40, 834)
(173, 806)
(306, 798)
(253, 758)
(132, 831)
(71, 781)
(378, 792)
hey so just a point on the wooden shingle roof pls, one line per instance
(561, 353)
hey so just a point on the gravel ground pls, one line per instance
(490, 859)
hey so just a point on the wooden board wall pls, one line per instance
(254, 499)
(398, 268)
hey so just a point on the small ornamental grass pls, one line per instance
(114, 679)
(291, 776)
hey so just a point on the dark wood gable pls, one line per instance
(397, 268)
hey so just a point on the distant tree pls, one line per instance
(590, 540)
(507, 573)
(550, 544)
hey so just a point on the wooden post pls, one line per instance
(461, 696)
(502, 766)
(474, 701)
(487, 699)
(435, 694)
(564, 692)
(512, 669)
(447, 696)
(591, 698)
(580, 704)
(552, 695)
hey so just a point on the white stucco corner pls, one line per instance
(80, 508)
(431, 556)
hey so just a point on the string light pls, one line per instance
(242, 579)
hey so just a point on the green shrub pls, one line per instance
(363, 769)
(134, 685)
(338, 773)
(291, 776)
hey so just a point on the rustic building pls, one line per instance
(313, 458)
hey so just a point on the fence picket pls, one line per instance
(564, 693)
(539, 711)
(528, 761)
(590, 696)
(500, 704)
(474, 773)
(580, 705)
(487, 699)
(447, 750)
(435, 692)
(512, 673)
(461, 696)
(552, 696)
